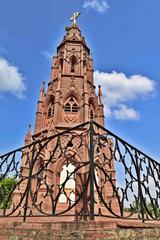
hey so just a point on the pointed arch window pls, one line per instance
(67, 183)
(91, 111)
(71, 106)
(74, 108)
(73, 62)
(51, 110)
(91, 114)
(68, 107)
(41, 174)
(61, 64)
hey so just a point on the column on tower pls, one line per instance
(100, 107)
(38, 124)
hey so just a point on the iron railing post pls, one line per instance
(29, 183)
(91, 172)
(140, 193)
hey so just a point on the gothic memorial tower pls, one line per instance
(60, 166)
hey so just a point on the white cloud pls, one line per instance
(100, 6)
(11, 80)
(47, 54)
(120, 90)
(124, 113)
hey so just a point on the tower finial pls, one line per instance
(28, 138)
(42, 91)
(74, 17)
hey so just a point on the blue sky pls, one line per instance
(124, 39)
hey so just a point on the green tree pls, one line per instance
(7, 185)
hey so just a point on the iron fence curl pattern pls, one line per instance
(86, 172)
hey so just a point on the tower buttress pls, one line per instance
(28, 138)
(101, 110)
(38, 124)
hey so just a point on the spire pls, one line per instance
(100, 95)
(28, 138)
(42, 92)
(40, 108)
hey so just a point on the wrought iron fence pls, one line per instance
(86, 172)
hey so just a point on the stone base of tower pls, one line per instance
(109, 229)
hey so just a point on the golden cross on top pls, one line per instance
(74, 17)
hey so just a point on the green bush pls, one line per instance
(7, 185)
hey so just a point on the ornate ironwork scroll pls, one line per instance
(86, 172)
(129, 181)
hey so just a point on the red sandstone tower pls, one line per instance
(70, 100)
